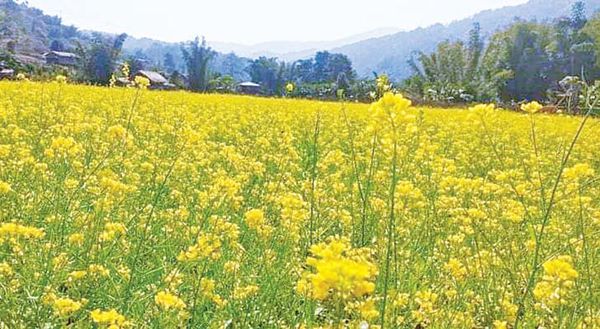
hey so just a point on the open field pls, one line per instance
(126, 208)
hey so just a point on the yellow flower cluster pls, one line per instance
(207, 247)
(456, 269)
(390, 108)
(532, 107)
(142, 82)
(4, 187)
(168, 301)
(255, 219)
(338, 272)
(63, 147)
(16, 230)
(61, 79)
(112, 230)
(110, 319)
(557, 283)
(66, 306)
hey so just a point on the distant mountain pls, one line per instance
(383, 50)
(292, 50)
(227, 63)
(284, 50)
(389, 54)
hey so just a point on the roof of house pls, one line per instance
(124, 81)
(249, 84)
(61, 54)
(6, 73)
(154, 77)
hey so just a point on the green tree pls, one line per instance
(266, 72)
(303, 71)
(340, 64)
(474, 51)
(222, 84)
(453, 73)
(197, 56)
(136, 64)
(578, 15)
(57, 45)
(592, 30)
(571, 50)
(234, 66)
(442, 75)
(99, 60)
(520, 53)
(169, 63)
(321, 67)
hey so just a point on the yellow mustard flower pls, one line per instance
(532, 107)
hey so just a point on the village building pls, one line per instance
(6, 73)
(249, 88)
(157, 80)
(61, 58)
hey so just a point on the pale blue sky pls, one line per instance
(252, 21)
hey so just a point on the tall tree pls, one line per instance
(266, 72)
(474, 50)
(578, 15)
(303, 71)
(592, 30)
(324, 67)
(571, 50)
(169, 63)
(321, 66)
(443, 75)
(57, 45)
(234, 66)
(522, 50)
(99, 60)
(339, 64)
(197, 56)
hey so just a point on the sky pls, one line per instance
(253, 21)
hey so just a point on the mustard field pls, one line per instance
(128, 208)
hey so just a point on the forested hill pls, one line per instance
(28, 32)
(390, 54)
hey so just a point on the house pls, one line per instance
(249, 88)
(157, 80)
(6, 73)
(61, 58)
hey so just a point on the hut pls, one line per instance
(6, 73)
(249, 88)
(61, 58)
(157, 80)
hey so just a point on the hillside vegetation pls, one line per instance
(28, 32)
(390, 54)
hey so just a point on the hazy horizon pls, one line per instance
(259, 21)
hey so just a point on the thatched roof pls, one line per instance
(154, 77)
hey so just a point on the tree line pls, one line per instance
(526, 61)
